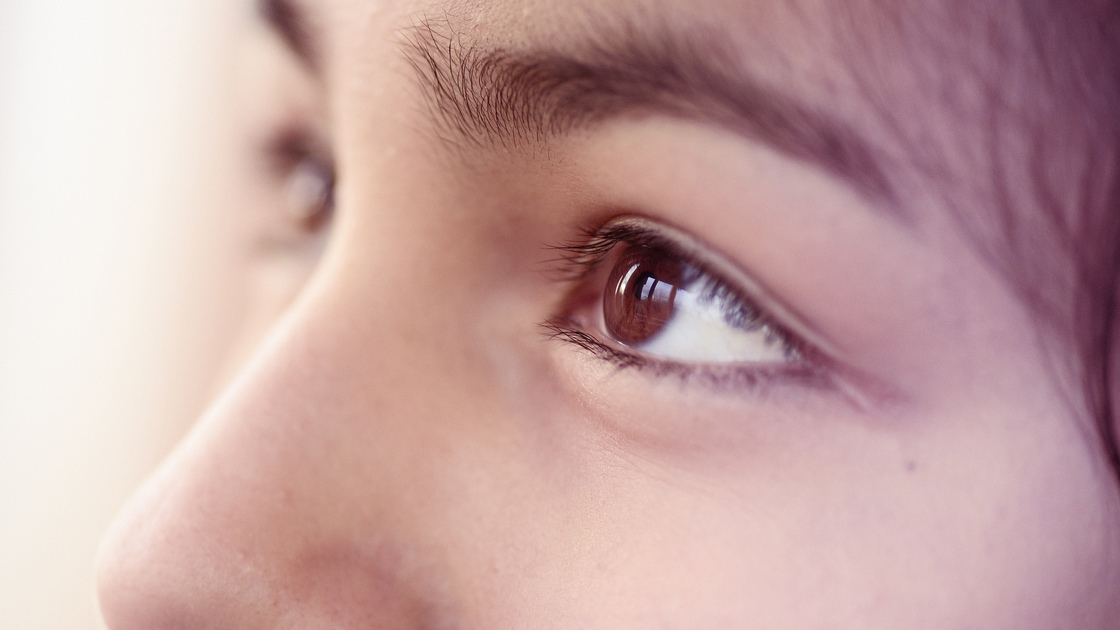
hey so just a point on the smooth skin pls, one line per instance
(410, 449)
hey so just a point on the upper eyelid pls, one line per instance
(286, 146)
(707, 259)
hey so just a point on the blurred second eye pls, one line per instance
(309, 192)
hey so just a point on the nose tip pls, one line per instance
(200, 544)
(157, 568)
(249, 525)
(119, 578)
(195, 545)
(169, 563)
(298, 500)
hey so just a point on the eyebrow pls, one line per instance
(485, 95)
(288, 20)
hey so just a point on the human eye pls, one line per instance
(649, 296)
(302, 170)
(287, 146)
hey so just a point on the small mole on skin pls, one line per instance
(911, 466)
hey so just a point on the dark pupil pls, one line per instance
(640, 293)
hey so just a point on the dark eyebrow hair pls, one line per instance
(496, 95)
(288, 20)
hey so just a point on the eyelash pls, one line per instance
(580, 260)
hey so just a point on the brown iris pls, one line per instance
(640, 292)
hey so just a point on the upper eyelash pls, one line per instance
(584, 256)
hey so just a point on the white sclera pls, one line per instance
(699, 332)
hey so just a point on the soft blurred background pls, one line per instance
(116, 304)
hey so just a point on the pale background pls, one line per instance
(115, 299)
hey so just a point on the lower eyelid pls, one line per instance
(751, 380)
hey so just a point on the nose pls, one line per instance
(284, 507)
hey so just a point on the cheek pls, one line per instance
(988, 509)
(1024, 510)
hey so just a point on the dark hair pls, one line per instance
(1071, 52)
(1034, 89)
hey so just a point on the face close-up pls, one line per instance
(639, 314)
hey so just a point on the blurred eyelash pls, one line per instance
(289, 147)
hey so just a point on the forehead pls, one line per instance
(806, 45)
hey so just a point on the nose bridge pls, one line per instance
(267, 496)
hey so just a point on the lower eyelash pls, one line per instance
(567, 331)
(740, 378)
